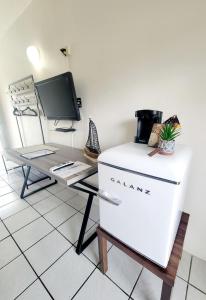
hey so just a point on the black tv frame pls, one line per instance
(74, 97)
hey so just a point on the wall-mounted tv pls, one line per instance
(58, 97)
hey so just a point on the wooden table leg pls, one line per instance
(102, 252)
(166, 291)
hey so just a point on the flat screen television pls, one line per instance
(58, 97)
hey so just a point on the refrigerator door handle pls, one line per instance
(109, 198)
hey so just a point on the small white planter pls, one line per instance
(166, 147)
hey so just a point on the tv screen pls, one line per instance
(58, 97)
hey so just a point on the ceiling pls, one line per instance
(10, 10)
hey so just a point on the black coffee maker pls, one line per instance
(146, 119)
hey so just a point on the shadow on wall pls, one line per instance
(129, 129)
(4, 137)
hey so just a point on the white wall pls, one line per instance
(126, 55)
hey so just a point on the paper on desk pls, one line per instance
(35, 148)
(74, 173)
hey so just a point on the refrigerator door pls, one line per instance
(142, 212)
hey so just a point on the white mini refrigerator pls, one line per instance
(141, 197)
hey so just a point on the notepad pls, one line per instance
(73, 173)
(36, 154)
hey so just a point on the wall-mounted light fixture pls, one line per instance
(33, 55)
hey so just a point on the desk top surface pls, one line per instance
(44, 163)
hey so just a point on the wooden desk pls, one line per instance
(43, 164)
(168, 275)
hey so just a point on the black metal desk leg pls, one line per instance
(84, 224)
(22, 167)
(25, 182)
(25, 185)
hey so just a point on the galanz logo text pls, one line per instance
(130, 186)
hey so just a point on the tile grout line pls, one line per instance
(114, 281)
(29, 264)
(190, 284)
(197, 288)
(8, 192)
(25, 225)
(9, 203)
(116, 285)
(15, 213)
(130, 295)
(38, 240)
(10, 260)
(56, 260)
(45, 199)
(26, 288)
(188, 277)
(83, 284)
(31, 205)
(56, 228)
(72, 245)
(61, 224)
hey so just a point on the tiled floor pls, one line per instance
(38, 261)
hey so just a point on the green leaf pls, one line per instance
(169, 132)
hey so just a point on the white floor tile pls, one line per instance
(184, 266)
(2, 171)
(46, 251)
(56, 188)
(3, 184)
(71, 228)
(11, 165)
(11, 177)
(77, 202)
(60, 214)
(8, 251)
(12, 208)
(31, 233)
(38, 197)
(17, 184)
(99, 287)
(123, 270)
(21, 219)
(35, 292)
(47, 204)
(3, 232)
(5, 190)
(179, 289)
(66, 194)
(194, 294)
(15, 277)
(149, 287)
(198, 274)
(65, 277)
(6, 199)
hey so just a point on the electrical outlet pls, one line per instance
(79, 102)
(66, 51)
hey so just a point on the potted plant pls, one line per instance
(168, 134)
